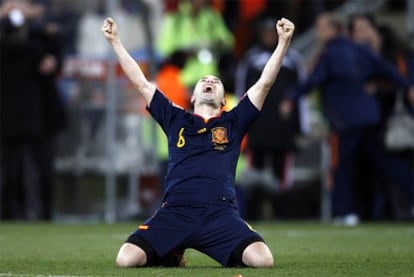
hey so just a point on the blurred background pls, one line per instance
(79, 146)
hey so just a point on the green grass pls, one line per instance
(300, 249)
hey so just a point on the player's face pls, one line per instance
(209, 90)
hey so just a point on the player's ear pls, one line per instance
(192, 100)
(223, 102)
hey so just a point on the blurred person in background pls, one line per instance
(169, 79)
(384, 41)
(62, 18)
(268, 149)
(241, 15)
(199, 30)
(31, 109)
(341, 73)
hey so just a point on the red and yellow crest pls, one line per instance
(219, 135)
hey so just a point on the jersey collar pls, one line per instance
(206, 120)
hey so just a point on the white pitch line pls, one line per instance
(9, 274)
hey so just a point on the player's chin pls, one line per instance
(208, 97)
(209, 101)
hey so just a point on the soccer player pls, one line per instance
(198, 209)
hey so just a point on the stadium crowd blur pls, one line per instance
(53, 102)
(32, 48)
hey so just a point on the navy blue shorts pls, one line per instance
(216, 230)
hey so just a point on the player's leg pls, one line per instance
(173, 259)
(257, 254)
(159, 241)
(232, 242)
(251, 252)
(136, 251)
(130, 255)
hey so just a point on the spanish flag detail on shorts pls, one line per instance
(143, 227)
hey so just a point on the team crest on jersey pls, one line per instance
(219, 137)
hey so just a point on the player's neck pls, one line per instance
(207, 111)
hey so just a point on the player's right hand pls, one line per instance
(110, 29)
(285, 29)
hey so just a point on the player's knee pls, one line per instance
(128, 261)
(258, 255)
(122, 261)
(130, 256)
(264, 261)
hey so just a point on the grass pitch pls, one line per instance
(300, 249)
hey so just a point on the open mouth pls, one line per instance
(208, 89)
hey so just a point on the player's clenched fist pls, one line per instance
(110, 29)
(285, 29)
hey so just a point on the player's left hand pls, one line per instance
(285, 29)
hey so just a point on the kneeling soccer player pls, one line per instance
(199, 209)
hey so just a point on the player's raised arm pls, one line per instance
(128, 64)
(258, 92)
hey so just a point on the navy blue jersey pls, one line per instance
(203, 153)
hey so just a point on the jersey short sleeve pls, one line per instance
(162, 110)
(245, 113)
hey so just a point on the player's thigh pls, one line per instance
(225, 237)
(165, 232)
(131, 255)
